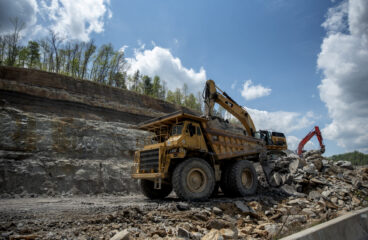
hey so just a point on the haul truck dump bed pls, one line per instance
(184, 154)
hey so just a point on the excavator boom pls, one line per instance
(213, 95)
(275, 141)
(304, 141)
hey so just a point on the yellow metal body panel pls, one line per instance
(194, 138)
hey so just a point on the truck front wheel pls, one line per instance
(148, 190)
(193, 180)
(243, 178)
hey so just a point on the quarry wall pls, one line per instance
(60, 135)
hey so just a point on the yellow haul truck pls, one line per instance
(184, 154)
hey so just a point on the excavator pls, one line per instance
(304, 141)
(275, 141)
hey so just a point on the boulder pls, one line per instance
(217, 224)
(183, 233)
(345, 164)
(276, 179)
(227, 233)
(122, 235)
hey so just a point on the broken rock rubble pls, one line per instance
(303, 198)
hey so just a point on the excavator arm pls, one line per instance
(316, 132)
(213, 95)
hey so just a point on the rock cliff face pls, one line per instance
(63, 135)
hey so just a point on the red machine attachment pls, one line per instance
(317, 132)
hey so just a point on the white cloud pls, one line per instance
(343, 61)
(76, 19)
(24, 10)
(281, 121)
(251, 91)
(123, 48)
(336, 18)
(160, 61)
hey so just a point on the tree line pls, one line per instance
(356, 158)
(85, 60)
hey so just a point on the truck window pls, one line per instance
(177, 129)
(191, 129)
(198, 131)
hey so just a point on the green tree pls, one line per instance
(120, 79)
(162, 91)
(12, 41)
(185, 90)
(75, 59)
(2, 49)
(34, 54)
(90, 49)
(45, 50)
(356, 158)
(55, 41)
(116, 65)
(200, 101)
(101, 62)
(178, 96)
(146, 85)
(156, 87)
(170, 96)
(135, 80)
(191, 102)
(23, 56)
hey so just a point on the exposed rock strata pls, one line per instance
(42, 154)
(64, 135)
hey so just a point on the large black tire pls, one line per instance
(242, 178)
(148, 190)
(224, 183)
(193, 180)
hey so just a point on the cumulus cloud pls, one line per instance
(343, 61)
(251, 91)
(76, 19)
(160, 61)
(281, 121)
(24, 10)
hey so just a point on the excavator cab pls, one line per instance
(265, 136)
(273, 140)
(278, 138)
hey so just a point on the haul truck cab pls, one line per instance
(185, 155)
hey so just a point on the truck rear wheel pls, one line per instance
(224, 183)
(193, 180)
(148, 190)
(243, 178)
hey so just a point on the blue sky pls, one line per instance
(283, 46)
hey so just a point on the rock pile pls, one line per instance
(312, 190)
(299, 175)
